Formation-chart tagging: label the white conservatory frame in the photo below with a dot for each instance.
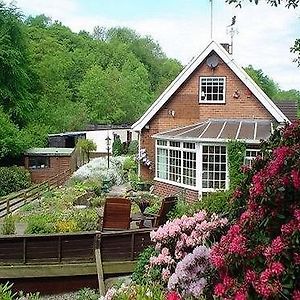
(199, 164)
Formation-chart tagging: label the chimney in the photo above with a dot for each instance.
(226, 46)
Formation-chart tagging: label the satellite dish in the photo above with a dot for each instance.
(212, 61)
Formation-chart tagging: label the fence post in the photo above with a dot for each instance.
(99, 266)
(7, 206)
(25, 198)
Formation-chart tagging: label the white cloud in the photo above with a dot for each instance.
(264, 39)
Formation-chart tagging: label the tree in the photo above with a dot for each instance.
(11, 143)
(287, 3)
(86, 146)
(267, 84)
(15, 97)
(117, 147)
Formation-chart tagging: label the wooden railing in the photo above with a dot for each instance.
(73, 247)
(75, 254)
(14, 201)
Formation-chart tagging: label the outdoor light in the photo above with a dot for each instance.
(108, 139)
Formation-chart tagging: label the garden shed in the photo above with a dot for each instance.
(65, 140)
(44, 163)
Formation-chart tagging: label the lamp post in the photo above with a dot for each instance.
(108, 139)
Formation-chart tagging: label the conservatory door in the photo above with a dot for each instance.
(213, 168)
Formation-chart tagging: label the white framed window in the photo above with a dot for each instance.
(214, 167)
(212, 89)
(250, 155)
(176, 162)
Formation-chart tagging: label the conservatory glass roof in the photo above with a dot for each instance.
(221, 130)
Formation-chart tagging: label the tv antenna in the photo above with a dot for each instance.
(232, 31)
(211, 18)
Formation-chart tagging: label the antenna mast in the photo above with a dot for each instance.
(211, 19)
(232, 31)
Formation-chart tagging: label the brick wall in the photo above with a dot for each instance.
(165, 189)
(185, 103)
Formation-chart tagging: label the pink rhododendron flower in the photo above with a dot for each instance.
(241, 295)
(219, 290)
(295, 174)
(173, 296)
(250, 276)
(296, 295)
(296, 258)
(276, 247)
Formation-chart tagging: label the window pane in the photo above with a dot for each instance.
(214, 170)
(39, 162)
(189, 168)
(161, 143)
(250, 156)
(162, 163)
(212, 89)
(174, 144)
(175, 166)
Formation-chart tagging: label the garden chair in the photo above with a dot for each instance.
(161, 218)
(116, 215)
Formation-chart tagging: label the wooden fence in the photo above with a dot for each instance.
(14, 201)
(54, 254)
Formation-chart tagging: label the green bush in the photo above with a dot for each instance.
(8, 226)
(13, 179)
(93, 185)
(97, 202)
(117, 147)
(140, 276)
(130, 164)
(86, 219)
(133, 147)
(40, 224)
(5, 292)
(216, 202)
(86, 294)
(236, 154)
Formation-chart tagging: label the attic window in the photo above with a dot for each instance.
(212, 90)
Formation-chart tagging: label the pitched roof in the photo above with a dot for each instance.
(49, 151)
(289, 108)
(221, 130)
(190, 68)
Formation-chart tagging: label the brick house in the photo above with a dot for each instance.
(186, 129)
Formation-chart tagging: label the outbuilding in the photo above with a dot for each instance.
(44, 163)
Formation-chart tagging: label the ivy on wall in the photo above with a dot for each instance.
(236, 153)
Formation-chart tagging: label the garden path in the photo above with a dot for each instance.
(118, 190)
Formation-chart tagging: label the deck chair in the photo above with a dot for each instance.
(161, 218)
(116, 215)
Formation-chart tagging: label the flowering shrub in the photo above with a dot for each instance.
(259, 257)
(142, 158)
(190, 273)
(181, 256)
(132, 291)
(97, 169)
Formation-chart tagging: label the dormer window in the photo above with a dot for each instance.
(212, 90)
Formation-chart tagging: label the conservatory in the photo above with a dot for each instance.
(195, 157)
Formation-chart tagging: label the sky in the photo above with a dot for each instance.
(182, 28)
